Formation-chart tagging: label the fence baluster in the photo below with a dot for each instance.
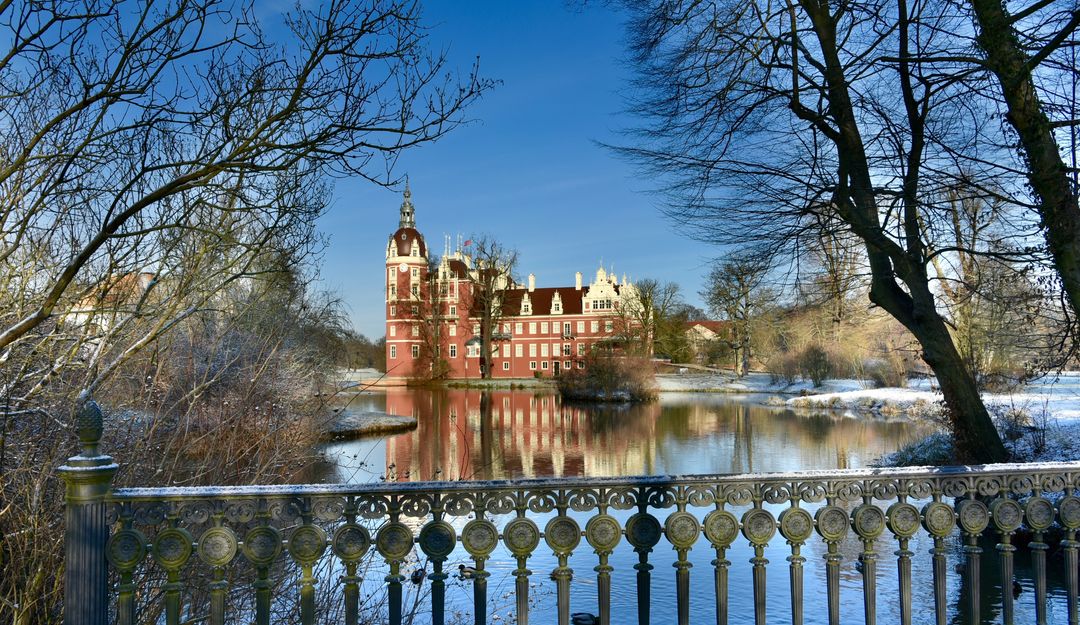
(562, 534)
(868, 521)
(603, 533)
(125, 550)
(394, 542)
(480, 537)
(306, 545)
(522, 537)
(759, 526)
(721, 528)
(437, 541)
(1040, 517)
(1069, 515)
(217, 548)
(1007, 516)
(796, 525)
(262, 546)
(903, 521)
(974, 518)
(682, 529)
(643, 533)
(351, 541)
(832, 526)
(939, 520)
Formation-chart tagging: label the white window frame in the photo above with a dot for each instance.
(415, 351)
(532, 350)
(453, 350)
(580, 327)
(532, 365)
(544, 365)
(518, 350)
(506, 365)
(393, 351)
(393, 330)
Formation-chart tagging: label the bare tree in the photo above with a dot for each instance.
(646, 310)
(767, 121)
(492, 273)
(141, 139)
(735, 291)
(1040, 38)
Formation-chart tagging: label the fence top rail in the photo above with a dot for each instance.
(646, 481)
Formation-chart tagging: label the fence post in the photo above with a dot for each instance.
(88, 477)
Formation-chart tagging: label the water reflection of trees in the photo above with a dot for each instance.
(469, 434)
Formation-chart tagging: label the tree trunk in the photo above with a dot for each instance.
(1047, 173)
(975, 437)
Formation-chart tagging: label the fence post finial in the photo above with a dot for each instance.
(88, 477)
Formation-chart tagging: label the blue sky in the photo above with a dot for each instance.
(527, 170)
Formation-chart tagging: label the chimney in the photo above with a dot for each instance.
(577, 281)
(532, 282)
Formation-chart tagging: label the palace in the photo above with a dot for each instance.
(433, 321)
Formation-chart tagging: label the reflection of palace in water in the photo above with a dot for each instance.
(467, 434)
(508, 434)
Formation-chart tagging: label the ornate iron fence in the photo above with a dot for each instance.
(170, 530)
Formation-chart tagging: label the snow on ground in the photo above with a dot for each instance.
(1049, 428)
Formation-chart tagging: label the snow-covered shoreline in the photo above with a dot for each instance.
(1045, 413)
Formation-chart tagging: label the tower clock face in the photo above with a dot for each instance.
(403, 267)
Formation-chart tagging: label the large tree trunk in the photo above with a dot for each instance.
(975, 437)
(1047, 173)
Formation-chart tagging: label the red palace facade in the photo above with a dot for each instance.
(431, 320)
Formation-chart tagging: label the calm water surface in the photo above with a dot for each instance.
(464, 435)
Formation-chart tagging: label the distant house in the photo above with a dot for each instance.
(703, 335)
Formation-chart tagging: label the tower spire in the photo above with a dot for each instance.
(408, 216)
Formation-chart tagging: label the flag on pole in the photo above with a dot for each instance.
(468, 242)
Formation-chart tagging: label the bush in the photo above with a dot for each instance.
(815, 364)
(888, 372)
(784, 368)
(936, 450)
(609, 378)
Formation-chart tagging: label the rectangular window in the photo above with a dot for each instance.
(472, 351)
(518, 350)
(581, 364)
(453, 311)
(416, 272)
(393, 330)
(566, 349)
(580, 349)
(532, 365)
(506, 365)
(415, 351)
(416, 290)
(544, 328)
(416, 330)
(453, 329)
(566, 329)
(532, 327)
(393, 290)
(476, 329)
(506, 328)
(566, 365)
(594, 326)
(608, 326)
(518, 328)
(544, 350)
(543, 365)
(554, 349)
(393, 310)
(453, 351)
(414, 309)
(393, 351)
(506, 350)
(532, 350)
(580, 327)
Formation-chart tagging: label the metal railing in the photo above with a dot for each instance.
(233, 531)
